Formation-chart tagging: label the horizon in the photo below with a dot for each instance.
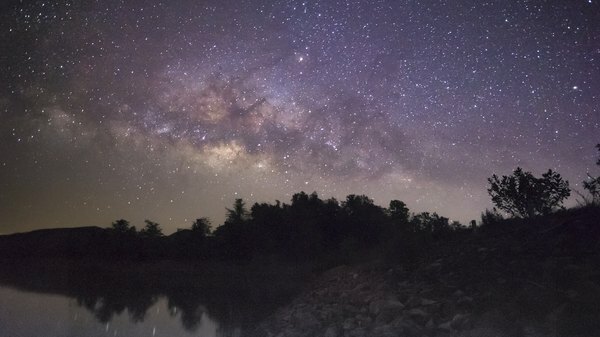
(171, 111)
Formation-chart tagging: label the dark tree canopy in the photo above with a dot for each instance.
(523, 195)
(398, 212)
(123, 226)
(306, 229)
(431, 223)
(490, 217)
(151, 230)
(201, 226)
(238, 213)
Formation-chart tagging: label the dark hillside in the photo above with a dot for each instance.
(59, 242)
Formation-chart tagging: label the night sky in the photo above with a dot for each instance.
(170, 110)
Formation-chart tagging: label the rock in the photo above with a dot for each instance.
(326, 314)
(344, 295)
(403, 284)
(426, 302)
(363, 320)
(349, 324)
(351, 309)
(393, 305)
(289, 332)
(413, 302)
(376, 306)
(387, 331)
(429, 324)
(460, 321)
(359, 332)
(332, 331)
(362, 287)
(446, 326)
(434, 265)
(572, 294)
(465, 301)
(305, 320)
(407, 325)
(458, 294)
(418, 315)
(416, 312)
(384, 317)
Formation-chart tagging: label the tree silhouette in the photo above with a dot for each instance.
(123, 226)
(201, 226)
(490, 217)
(592, 185)
(363, 218)
(398, 212)
(523, 195)
(431, 223)
(238, 213)
(151, 230)
(235, 237)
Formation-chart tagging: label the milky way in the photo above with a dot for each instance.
(169, 111)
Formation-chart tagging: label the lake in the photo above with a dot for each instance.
(58, 299)
(30, 314)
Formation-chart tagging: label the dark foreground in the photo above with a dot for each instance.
(539, 277)
(234, 296)
(530, 278)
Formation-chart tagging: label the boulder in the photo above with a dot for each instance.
(426, 302)
(391, 306)
(305, 320)
(331, 331)
(349, 324)
(460, 321)
(416, 312)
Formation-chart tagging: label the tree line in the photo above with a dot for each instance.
(305, 228)
(310, 227)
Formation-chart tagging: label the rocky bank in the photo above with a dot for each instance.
(527, 281)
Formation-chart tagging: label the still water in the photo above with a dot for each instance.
(64, 298)
(32, 314)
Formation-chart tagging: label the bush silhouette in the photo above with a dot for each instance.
(523, 195)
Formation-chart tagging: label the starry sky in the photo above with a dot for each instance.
(170, 110)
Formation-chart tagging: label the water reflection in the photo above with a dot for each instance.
(28, 314)
(132, 300)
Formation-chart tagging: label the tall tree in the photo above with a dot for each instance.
(238, 213)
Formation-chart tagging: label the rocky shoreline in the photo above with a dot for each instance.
(521, 279)
(365, 300)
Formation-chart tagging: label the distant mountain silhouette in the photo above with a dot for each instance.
(57, 242)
